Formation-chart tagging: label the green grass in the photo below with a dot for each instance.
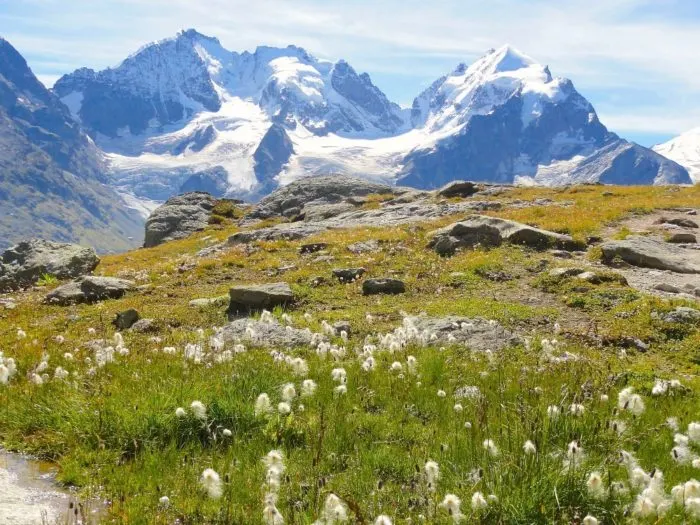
(115, 434)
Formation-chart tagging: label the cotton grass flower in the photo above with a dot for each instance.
(529, 448)
(308, 387)
(284, 408)
(451, 504)
(589, 520)
(226, 433)
(595, 485)
(60, 373)
(334, 510)
(299, 366)
(577, 409)
(458, 408)
(340, 390)
(628, 400)
(164, 501)
(432, 474)
(396, 367)
(339, 375)
(441, 393)
(263, 406)
(383, 520)
(198, 409)
(491, 448)
(479, 502)
(553, 412)
(694, 432)
(180, 412)
(211, 483)
(289, 392)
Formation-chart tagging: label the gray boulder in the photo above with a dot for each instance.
(126, 319)
(246, 298)
(270, 335)
(90, 289)
(320, 212)
(493, 231)
(682, 238)
(364, 247)
(23, 264)
(178, 218)
(652, 253)
(383, 286)
(330, 189)
(289, 232)
(477, 334)
(683, 314)
(458, 188)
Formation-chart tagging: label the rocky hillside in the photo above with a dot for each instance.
(52, 180)
(346, 351)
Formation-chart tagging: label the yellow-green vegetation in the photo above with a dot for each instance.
(544, 432)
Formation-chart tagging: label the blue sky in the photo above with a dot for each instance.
(637, 61)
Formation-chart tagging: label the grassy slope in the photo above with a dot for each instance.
(116, 433)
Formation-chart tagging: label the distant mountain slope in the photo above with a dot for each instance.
(52, 181)
(685, 150)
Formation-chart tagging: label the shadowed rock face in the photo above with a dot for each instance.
(179, 217)
(51, 174)
(271, 155)
(24, 264)
(90, 289)
(255, 297)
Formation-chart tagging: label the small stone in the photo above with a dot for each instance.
(590, 277)
(665, 287)
(565, 272)
(126, 319)
(683, 223)
(312, 247)
(383, 286)
(364, 247)
(683, 314)
(683, 237)
(207, 302)
(347, 275)
(144, 326)
(692, 212)
(562, 254)
(342, 326)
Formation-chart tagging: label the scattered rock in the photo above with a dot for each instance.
(8, 304)
(25, 263)
(246, 298)
(682, 238)
(692, 212)
(289, 232)
(651, 253)
(270, 335)
(347, 275)
(458, 188)
(477, 334)
(89, 289)
(342, 326)
(593, 239)
(209, 302)
(370, 246)
(561, 254)
(566, 272)
(320, 212)
(126, 319)
(324, 259)
(178, 218)
(590, 277)
(493, 231)
(679, 221)
(683, 314)
(144, 326)
(665, 287)
(313, 247)
(383, 286)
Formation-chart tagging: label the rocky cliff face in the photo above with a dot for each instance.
(52, 181)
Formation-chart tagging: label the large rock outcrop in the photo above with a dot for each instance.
(25, 263)
(178, 218)
(652, 253)
(90, 289)
(255, 297)
(493, 231)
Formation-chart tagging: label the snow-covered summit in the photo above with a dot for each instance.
(685, 150)
(186, 113)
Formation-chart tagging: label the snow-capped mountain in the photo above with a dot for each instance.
(685, 150)
(185, 113)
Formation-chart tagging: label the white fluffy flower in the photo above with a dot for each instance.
(382, 519)
(451, 504)
(180, 412)
(308, 387)
(595, 485)
(198, 409)
(490, 447)
(432, 474)
(529, 448)
(284, 408)
(589, 520)
(289, 392)
(694, 432)
(479, 501)
(211, 483)
(263, 406)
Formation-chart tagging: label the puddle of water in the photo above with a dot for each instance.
(29, 494)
